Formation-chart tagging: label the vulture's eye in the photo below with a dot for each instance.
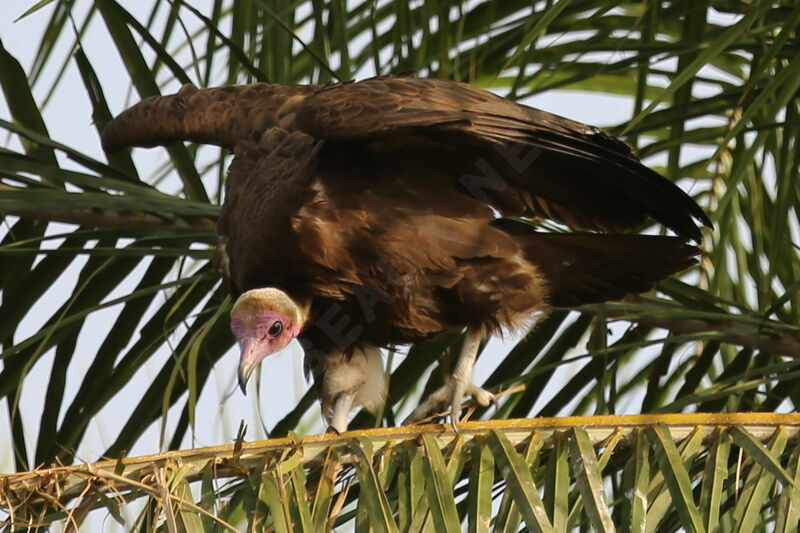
(276, 329)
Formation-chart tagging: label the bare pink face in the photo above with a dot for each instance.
(260, 334)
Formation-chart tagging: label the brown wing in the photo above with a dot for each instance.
(564, 170)
(256, 122)
(393, 200)
(221, 116)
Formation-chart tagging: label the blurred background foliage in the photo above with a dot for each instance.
(706, 91)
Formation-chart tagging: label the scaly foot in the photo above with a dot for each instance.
(459, 384)
(451, 392)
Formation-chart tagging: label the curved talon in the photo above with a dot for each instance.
(459, 388)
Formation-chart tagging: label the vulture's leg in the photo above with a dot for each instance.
(459, 384)
(341, 409)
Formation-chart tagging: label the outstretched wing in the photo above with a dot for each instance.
(222, 116)
(256, 122)
(564, 170)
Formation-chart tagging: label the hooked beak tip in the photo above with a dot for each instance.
(244, 374)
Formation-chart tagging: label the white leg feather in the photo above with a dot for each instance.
(345, 382)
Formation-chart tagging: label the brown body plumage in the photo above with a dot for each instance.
(376, 205)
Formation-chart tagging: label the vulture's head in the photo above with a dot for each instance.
(264, 322)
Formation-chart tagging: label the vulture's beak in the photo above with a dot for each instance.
(245, 369)
(253, 351)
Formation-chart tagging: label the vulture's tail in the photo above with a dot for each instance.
(583, 268)
(219, 116)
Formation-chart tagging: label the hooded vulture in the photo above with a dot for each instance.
(387, 211)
